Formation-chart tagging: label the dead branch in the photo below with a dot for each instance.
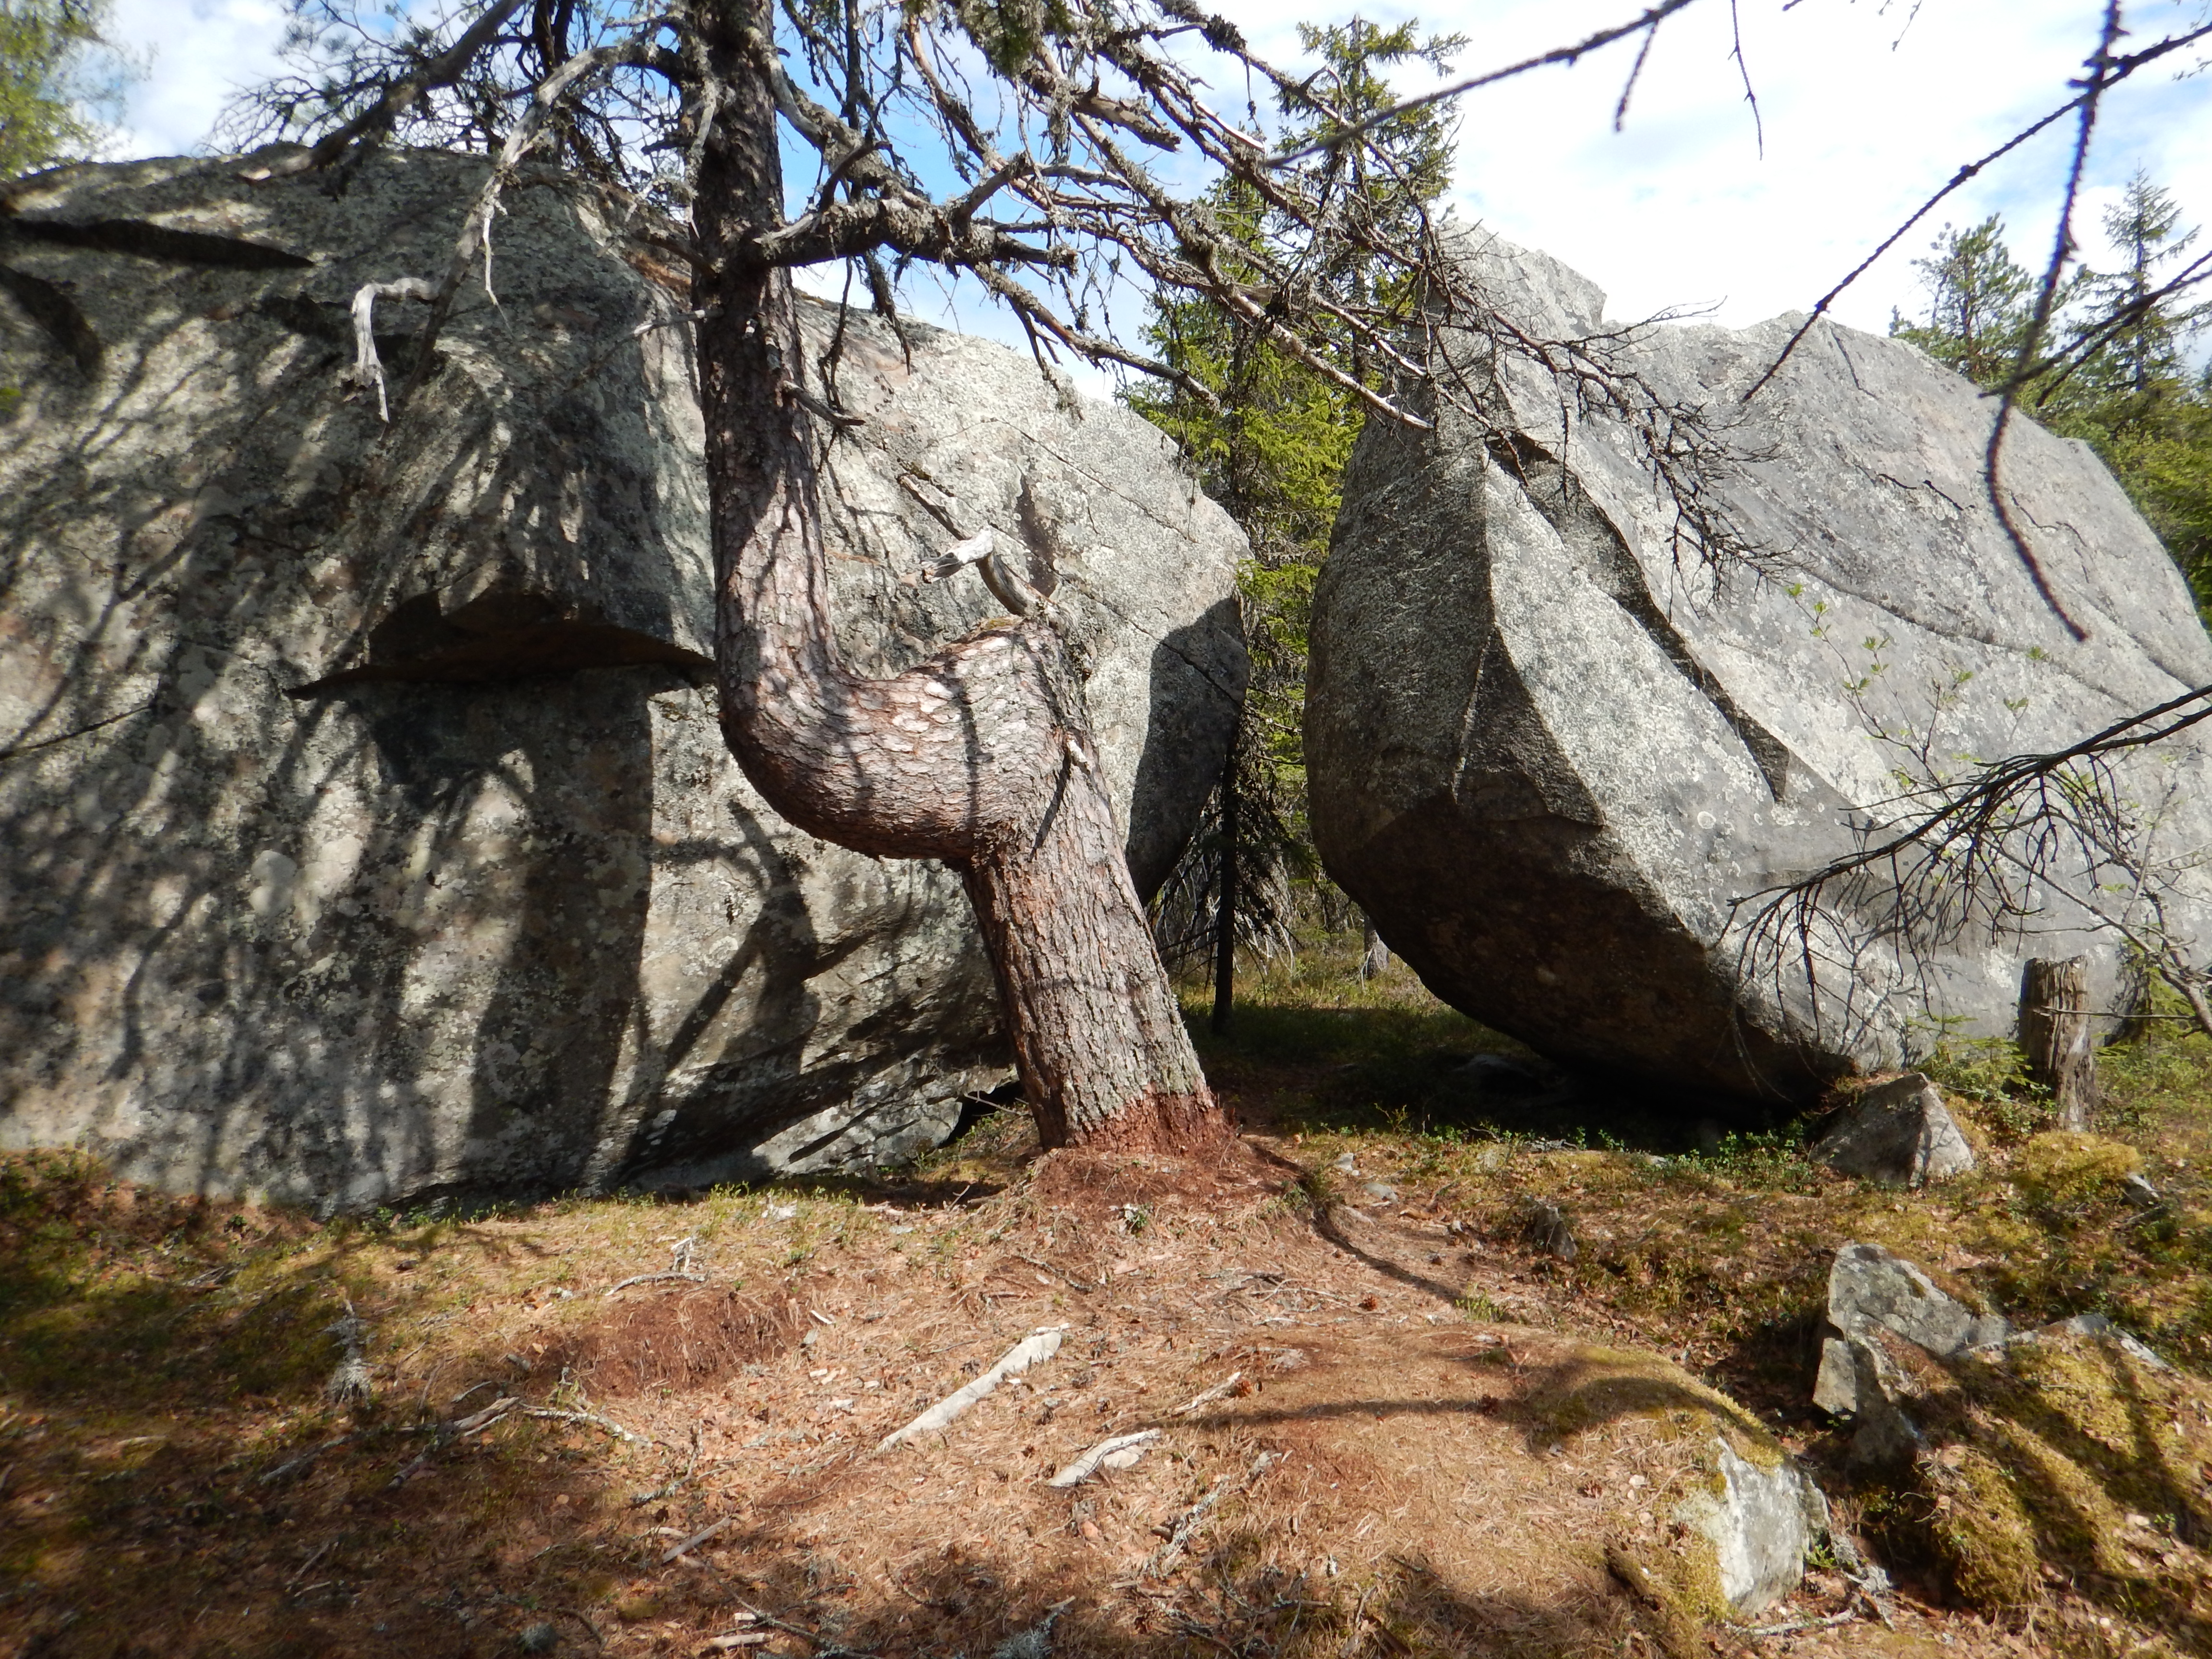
(1032, 1349)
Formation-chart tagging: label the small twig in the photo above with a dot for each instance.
(712, 1529)
(1211, 1394)
(1796, 1624)
(1188, 1523)
(654, 1278)
(308, 1566)
(446, 1433)
(641, 1499)
(305, 1458)
(592, 1418)
(590, 1629)
(1073, 1282)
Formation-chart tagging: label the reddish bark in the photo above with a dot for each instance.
(981, 755)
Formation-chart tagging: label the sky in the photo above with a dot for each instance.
(1865, 108)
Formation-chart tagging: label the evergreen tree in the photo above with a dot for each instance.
(2147, 331)
(56, 81)
(1979, 303)
(1272, 449)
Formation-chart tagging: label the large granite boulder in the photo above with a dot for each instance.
(365, 830)
(1552, 753)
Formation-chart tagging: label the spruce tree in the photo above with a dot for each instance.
(1272, 449)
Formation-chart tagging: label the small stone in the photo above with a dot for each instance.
(1761, 1525)
(538, 1638)
(1347, 1163)
(2137, 1187)
(1898, 1133)
(1381, 1191)
(1545, 1229)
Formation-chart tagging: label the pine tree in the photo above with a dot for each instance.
(2117, 375)
(1979, 303)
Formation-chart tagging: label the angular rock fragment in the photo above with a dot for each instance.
(1544, 1227)
(1761, 1522)
(1886, 1321)
(1898, 1133)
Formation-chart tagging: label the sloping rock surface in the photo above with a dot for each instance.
(366, 832)
(1551, 751)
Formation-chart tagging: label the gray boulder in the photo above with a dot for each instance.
(1762, 1522)
(366, 832)
(1551, 754)
(1899, 1132)
(1886, 1320)
(1890, 1336)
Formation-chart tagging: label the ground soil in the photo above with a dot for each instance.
(1391, 1419)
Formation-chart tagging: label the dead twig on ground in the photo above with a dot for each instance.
(1032, 1349)
(712, 1529)
(639, 1500)
(1224, 1387)
(1189, 1521)
(445, 1434)
(605, 1425)
(1121, 1452)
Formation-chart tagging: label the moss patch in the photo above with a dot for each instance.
(2070, 1458)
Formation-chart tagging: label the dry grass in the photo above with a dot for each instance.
(1435, 1435)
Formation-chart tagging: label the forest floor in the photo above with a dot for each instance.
(1388, 1422)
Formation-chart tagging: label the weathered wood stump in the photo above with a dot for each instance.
(2055, 1031)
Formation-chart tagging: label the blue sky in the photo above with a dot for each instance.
(1866, 107)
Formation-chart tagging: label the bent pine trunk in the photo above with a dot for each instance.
(981, 755)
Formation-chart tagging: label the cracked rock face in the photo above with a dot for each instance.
(1552, 761)
(366, 832)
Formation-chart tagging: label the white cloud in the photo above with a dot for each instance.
(1867, 110)
(202, 52)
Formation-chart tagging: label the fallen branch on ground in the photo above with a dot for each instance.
(1187, 1522)
(712, 1529)
(1793, 1627)
(655, 1278)
(1212, 1394)
(592, 1418)
(445, 1434)
(1121, 1452)
(1032, 1349)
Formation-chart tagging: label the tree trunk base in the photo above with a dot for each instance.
(1099, 1041)
(1185, 1125)
(2057, 1035)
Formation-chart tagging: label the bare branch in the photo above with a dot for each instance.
(379, 118)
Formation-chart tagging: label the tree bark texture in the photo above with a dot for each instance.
(980, 755)
(2057, 1036)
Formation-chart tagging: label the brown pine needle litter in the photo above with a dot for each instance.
(1384, 1426)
